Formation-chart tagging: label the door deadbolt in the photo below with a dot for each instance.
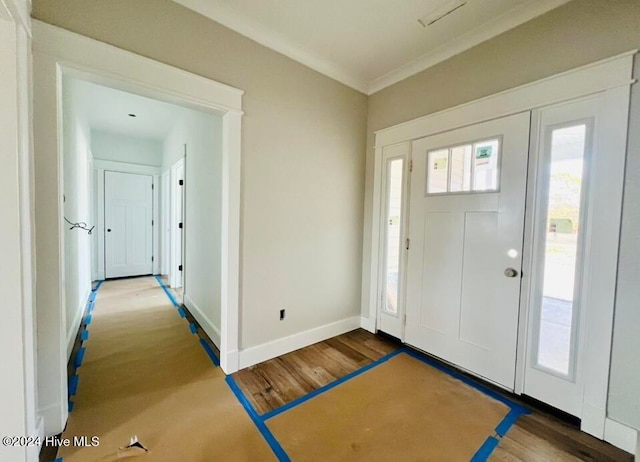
(510, 272)
(108, 230)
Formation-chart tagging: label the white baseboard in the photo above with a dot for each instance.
(34, 451)
(621, 436)
(51, 414)
(269, 350)
(207, 325)
(368, 324)
(72, 330)
(230, 362)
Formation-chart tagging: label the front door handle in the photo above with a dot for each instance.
(511, 272)
(108, 230)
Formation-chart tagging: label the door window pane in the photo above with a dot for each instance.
(472, 167)
(393, 235)
(485, 161)
(460, 168)
(438, 171)
(563, 211)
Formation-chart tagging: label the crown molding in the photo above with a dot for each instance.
(484, 32)
(227, 16)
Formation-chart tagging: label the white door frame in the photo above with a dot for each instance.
(18, 389)
(176, 246)
(612, 77)
(165, 212)
(58, 52)
(99, 167)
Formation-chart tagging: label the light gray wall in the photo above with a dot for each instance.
(77, 208)
(303, 142)
(124, 148)
(202, 133)
(578, 33)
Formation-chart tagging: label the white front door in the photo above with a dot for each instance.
(466, 236)
(128, 224)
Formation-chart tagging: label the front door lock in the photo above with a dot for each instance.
(511, 272)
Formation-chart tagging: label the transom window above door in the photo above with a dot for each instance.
(465, 168)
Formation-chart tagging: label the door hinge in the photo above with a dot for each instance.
(179, 267)
(151, 258)
(404, 319)
(410, 166)
(180, 182)
(152, 186)
(152, 222)
(180, 225)
(408, 241)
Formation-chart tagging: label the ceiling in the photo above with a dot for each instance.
(108, 110)
(369, 44)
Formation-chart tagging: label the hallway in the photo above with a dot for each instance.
(146, 374)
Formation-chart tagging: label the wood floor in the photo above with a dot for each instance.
(536, 437)
(276, 382)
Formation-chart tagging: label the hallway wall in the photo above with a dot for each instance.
(202, 133)
(77, 207)
(303, 141)
(124, 148)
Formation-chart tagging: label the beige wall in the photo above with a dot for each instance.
(303, 149)
(580, 32)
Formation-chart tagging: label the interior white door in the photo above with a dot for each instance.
(128, 224)
(466, 236)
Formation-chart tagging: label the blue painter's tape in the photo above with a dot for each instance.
(84, 335)
(80, 357)
(59, 459)
(259, 422)
(485, 450)
(88, 319)
(166, 291)
(70, 406)
(90, 307)
(92, 296)
(508, 421)
(193, 328)
(210, 352)
(73, 385)
(331, 385)
(181, 312)
(97, 286)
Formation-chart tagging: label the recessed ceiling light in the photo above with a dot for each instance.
(443, 10)
(132, 115)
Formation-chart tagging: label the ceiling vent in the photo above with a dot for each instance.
(444, 10)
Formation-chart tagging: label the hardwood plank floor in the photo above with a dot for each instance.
(534, 438)
(279, 381)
